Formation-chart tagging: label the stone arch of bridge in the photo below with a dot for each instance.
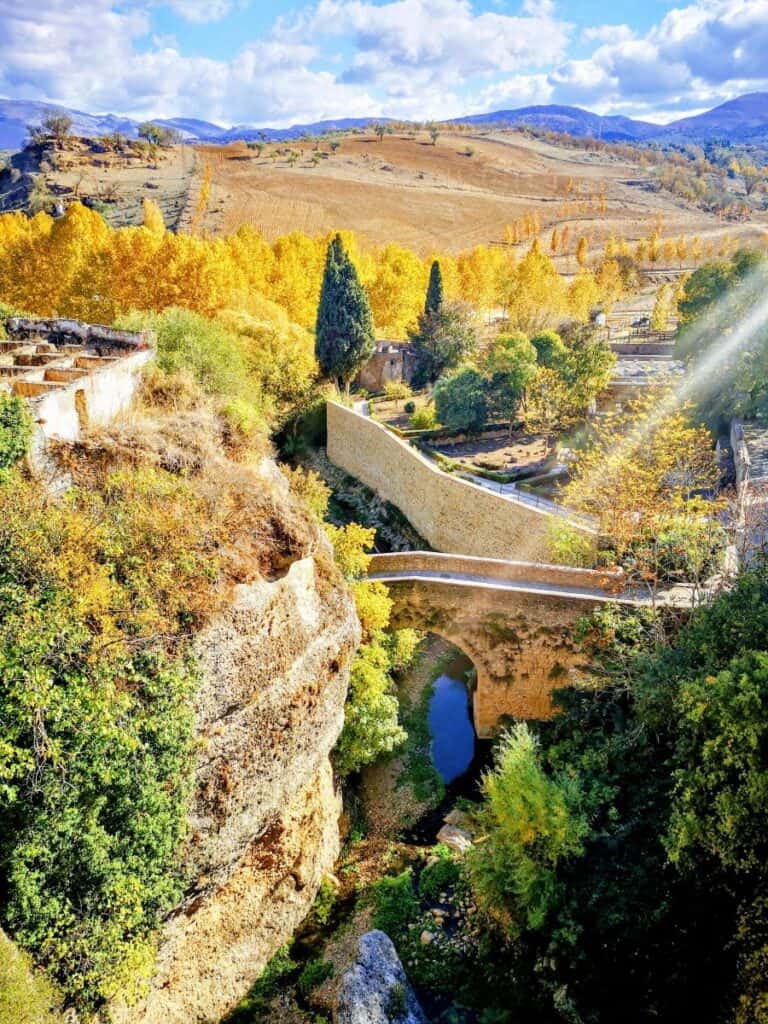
(521, 650)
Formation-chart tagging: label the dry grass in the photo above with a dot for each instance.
(434, 198)
(253, 525)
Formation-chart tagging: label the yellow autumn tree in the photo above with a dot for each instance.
(152, 217)
(478, 272)
(640, 464)
(662, 308)
(535, 294)
(396, 291)
(583, 295)
(610, 284)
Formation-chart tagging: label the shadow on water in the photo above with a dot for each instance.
(457, 754)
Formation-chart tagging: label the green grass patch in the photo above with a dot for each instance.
(440, 876)
(272, 979)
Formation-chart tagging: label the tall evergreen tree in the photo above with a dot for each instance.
(344, 338)
(434, 301)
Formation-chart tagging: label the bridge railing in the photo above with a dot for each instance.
(513, 493)
(440, 564)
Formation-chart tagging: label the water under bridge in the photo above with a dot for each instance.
(515, 620)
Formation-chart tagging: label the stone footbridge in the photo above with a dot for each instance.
(515, 620)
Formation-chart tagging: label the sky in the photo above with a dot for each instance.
(299, 61)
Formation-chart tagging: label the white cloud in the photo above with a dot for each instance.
(517, 91)
(419, 56)
(201, 11)
(407, 58)
(698, 54)
(607, 34)
(98, 59)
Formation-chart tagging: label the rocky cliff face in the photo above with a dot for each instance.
(264, 825)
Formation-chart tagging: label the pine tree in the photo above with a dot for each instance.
(344, 338)
(434, 301)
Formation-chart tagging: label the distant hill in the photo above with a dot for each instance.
(573, 120)
(741, 120)
(744, 119)
(15, 115)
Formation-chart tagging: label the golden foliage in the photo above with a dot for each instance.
(77, 266)
(642, 463)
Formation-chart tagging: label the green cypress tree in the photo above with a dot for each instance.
(434, 301)
(344, 338)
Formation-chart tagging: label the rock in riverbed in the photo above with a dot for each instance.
(375, 990)
(454, 838)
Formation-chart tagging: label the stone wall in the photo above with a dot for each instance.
(387, 363)
(450, 513)
(643, 348)
(94, 399)
(100, 339)
(71, 374)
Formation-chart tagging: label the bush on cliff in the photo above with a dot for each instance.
(15, 431)
(96, 751)
(101, 591)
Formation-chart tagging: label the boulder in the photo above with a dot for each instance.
(460, 819)
(454, 838)
(375, 990)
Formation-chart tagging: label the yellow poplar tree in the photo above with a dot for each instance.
(152, 217)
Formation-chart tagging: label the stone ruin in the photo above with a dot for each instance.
(71, 374)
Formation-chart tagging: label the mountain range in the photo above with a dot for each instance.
(744, 119)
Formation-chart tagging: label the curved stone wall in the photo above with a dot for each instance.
(450, 513)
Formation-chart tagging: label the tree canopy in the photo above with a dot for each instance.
(434, 300)
(344, 338)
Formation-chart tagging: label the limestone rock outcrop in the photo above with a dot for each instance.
(375, 990)
(264, 824)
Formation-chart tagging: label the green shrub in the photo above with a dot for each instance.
(397, 1004)
(424, 418)
(26, 996)
(15, 431)
(371, 725)
(569, 546)
(314, 974)
(188, 341)
(410, 408)
(324, 901)
(97, 723)
(440, 876)
(395, 905)
(246, 426)
(532, 822)
(264, 990)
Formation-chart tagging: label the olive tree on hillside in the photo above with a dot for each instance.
(344, 339)
(55, 127)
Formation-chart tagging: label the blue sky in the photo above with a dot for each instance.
(248, 61)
